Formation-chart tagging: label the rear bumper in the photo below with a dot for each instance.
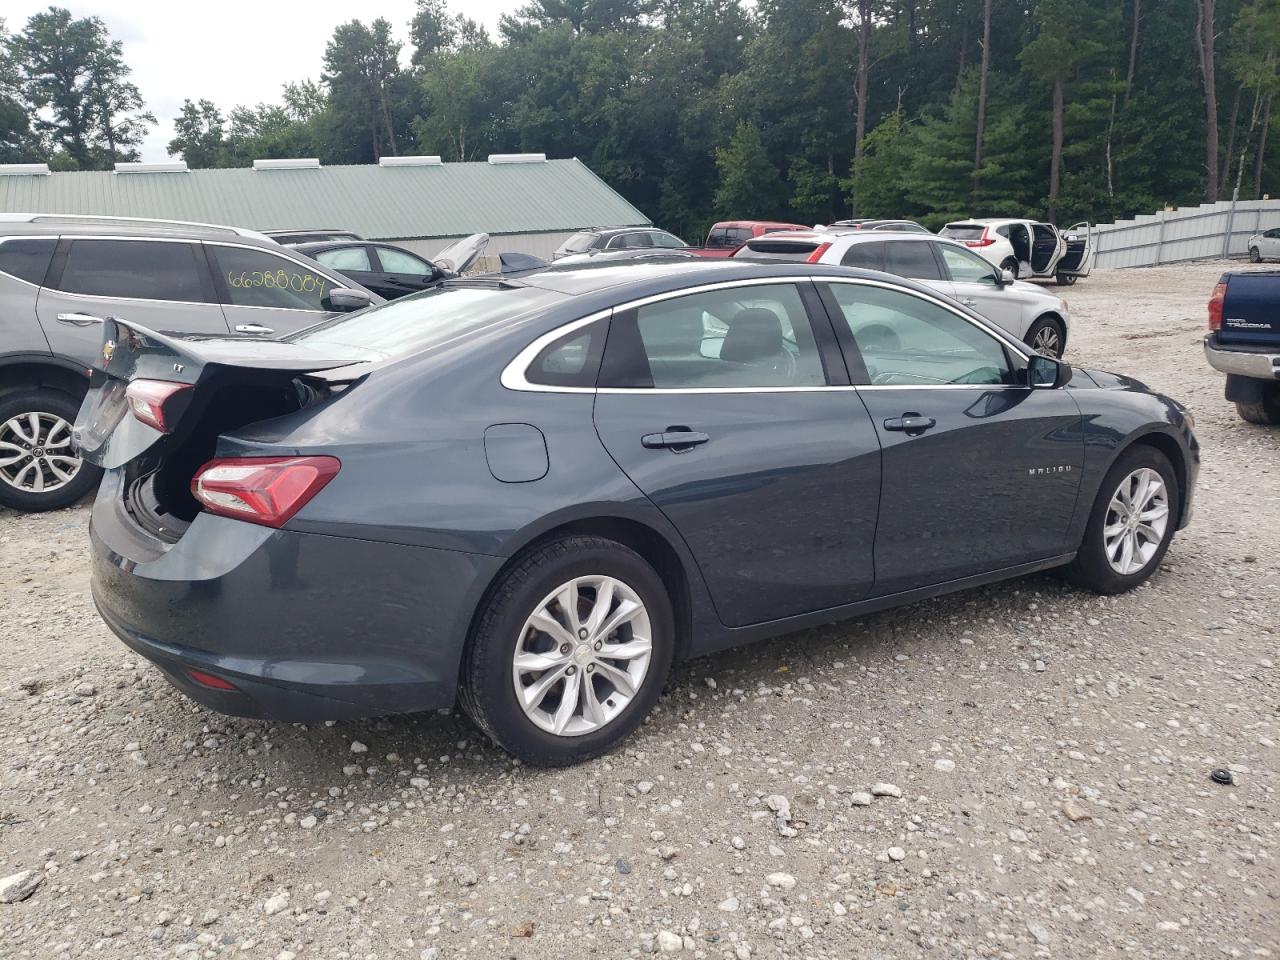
(1255, 362)
(306, 627)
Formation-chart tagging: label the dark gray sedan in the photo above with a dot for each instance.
(533, 492)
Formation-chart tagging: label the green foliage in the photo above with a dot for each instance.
(750, 187)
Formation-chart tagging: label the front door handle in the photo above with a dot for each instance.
(79, 319)
(677, 439)
(911, 423)
(255, 328)
(968, 302)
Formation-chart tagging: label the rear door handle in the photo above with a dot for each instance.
(256, 328)
(673, 439)
(79, 319)
(910, 423)
(968, 302)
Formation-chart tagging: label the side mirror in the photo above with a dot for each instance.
(345, 300)
(1045, 373)
(1006, 277)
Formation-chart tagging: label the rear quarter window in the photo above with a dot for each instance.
(134, 270)
(27, 258)
(962, 231)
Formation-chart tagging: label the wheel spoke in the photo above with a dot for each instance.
(592, 710)
(568, 702)
(622, 680)
(568, 599)
(37, 482)
(545, 622)
(1126, 552)
(1110, 531)
(57, 471)
(59, 427)
(536, 692)
(16, 426)
(627, 611)
(603, 604)
(538, 662)
(633, 650)
(1158, 512)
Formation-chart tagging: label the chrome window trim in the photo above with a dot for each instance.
(514, 374)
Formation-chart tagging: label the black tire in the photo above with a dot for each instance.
(59, 404)
(1056, 337)
(1012, 266)
(1265, 411)
(1066, 279)
(486, 688)
(1091, 568)
(1255, 256)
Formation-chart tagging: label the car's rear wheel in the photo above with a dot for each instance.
(1132, 524)
(1046, 336)
(1011, 265)
(1265, 411)
(571, 651)
(38, 468)
(1255, 255)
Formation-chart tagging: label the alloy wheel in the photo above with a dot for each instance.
(1047, 341)
(35, 452)
(1136, 521)
(582, 656)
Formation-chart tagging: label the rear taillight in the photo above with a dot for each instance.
(211, 682)
(983, 241)
(1215, 306)
(818, 251)
(154, 401)
(265, 490)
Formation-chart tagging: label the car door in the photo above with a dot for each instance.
(723, 407)
(1047, 249)
(917, 260)
(268, 294)
(160, 283)
(980, 472)
(402, 272)
(357, 262)
(976, 285)
(1271, 244)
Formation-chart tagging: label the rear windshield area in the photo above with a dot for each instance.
(422, 321)
(962, 231)
(763, 248)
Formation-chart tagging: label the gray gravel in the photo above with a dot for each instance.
(1017, 771)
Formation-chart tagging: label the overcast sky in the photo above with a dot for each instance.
(231, 51)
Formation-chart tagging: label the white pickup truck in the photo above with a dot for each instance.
(1028, 248)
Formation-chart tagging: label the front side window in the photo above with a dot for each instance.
(742, 337)
(906, 340)
(345, 258)
(398, 261)
(966, 267)
(579, 243)
(134, 270)
(912, 258)
(668, 241)
(256, 278)
(27, 258)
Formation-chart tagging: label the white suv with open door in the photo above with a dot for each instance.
(1030, 313)
(1028, 248)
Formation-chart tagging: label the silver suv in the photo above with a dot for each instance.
(60, 275)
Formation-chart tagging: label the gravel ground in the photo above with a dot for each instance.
(1016, 771)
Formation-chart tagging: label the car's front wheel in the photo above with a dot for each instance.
(1011, 265)
(571, 651)
(1046, 336)
(1132, 523)
(38, 468)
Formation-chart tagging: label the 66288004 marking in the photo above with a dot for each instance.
(297, 282)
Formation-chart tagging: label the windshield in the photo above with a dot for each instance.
(422, 321)
(578, 243)
(962, 231)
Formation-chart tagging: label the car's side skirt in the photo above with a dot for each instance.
(735, 636)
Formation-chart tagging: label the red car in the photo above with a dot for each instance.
(728, 235)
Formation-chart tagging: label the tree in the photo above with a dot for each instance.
(361, 69)
(199, 135)
(749, 182)
(984, 70)
(75, 75)
(17, 137)
(1205, 41)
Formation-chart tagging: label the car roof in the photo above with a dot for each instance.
(604, 231)
(846, 233)
(37, 224)
(288, 230)
(756, 223)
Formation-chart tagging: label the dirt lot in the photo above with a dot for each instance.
(1052, 750)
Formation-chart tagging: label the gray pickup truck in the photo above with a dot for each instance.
(1244, 341)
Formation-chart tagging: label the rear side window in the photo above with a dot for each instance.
(256, 278)
(912, 258)
(134, 270)
(579, 243)
(27, 258)
(345, 258)
(667, 240)
(869, 256)
(719, 237)
(398, 261)
(752, 336)
(571, 361)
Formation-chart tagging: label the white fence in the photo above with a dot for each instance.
(1206, 232)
